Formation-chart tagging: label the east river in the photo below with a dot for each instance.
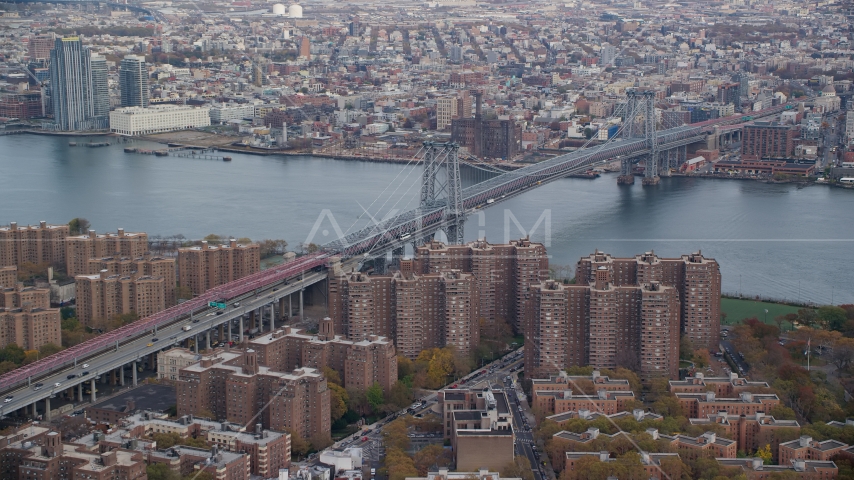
(772, 240)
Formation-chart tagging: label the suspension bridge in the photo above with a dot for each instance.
(443, 205)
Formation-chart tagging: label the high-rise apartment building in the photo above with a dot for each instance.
(360, 364)
(100, 91)
(26, 318)
(79, 249)
(305, 48)
(39, 46)
(233, 386)
(623, 312)
(446, 110)
(202, 268)
(145, 265)
(32, 244)
(33, 451)
(78, 82)
(133, 81)
(695, 277)
(608, 55)
(768, 140)
(102, 296)
(444, 296)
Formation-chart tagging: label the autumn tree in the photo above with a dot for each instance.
(432, 457)
(320, 440)
(338, 399)
(299, 446)
(520, 467)
(78, 226)
(375, 397)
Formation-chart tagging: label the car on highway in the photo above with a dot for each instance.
(84, 373)
(219, 312)
(195, 320)
(38, 386)
(8, 399)
(85, 365)
(154, 339)
(57, 384)
(149, 345)
(70, 376)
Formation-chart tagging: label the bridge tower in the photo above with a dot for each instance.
(639, 123)
(436, 186)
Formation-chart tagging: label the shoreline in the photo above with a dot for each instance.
(358, 158)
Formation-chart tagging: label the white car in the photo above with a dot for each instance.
(57, 384)
(85, 365)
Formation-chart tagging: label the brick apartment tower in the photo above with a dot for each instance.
(26, 318)
(32, 244)
(623, 312)
(146, 265)
(104, 295)
(695, 277)
(79, 249)
(205, 267)
(235, 387)
(415, 306)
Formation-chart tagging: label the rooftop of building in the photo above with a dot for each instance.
(733, 379)
(725, 418)
(600, 395)
(807, 442)
(637, 414)
(710, 397)
(563, 378)
(757, 464)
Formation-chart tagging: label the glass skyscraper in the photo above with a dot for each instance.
(78, 83)
(133, 81)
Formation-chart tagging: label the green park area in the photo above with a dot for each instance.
(736, 310)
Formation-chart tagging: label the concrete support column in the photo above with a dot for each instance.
(282, 315)
(47, 409)
(134, 372)
(252, 320)
(290, 305)
(35, 410)
(208, 339)
(230, 326)
(80, 392)
(196, 343)
(222, 331)
(272, 317)
(92, 386)
(122, 375)
(301, 317)
(240, 333)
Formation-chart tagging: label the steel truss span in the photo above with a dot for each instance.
(390, 234)
(420, 222)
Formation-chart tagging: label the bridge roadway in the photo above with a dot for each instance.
(129, 344)
(396, 232)
(391, 234)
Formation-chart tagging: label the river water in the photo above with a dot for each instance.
(771, 240)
